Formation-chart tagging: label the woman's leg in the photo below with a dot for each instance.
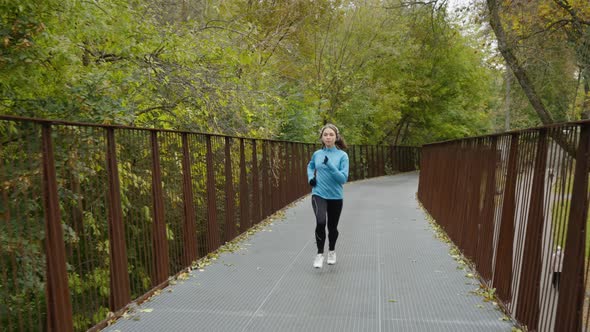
(334, 209)
(319, 208)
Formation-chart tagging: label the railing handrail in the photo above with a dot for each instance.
(116, 126)
(510, 132)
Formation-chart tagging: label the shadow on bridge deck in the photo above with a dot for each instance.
(392, 274)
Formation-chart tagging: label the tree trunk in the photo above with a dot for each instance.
(398, 129)
(523, 78)
(405, 134)
(507, 100)
(513, 63)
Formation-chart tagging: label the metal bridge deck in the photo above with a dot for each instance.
(392, 274)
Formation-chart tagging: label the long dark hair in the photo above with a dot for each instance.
(340, 143)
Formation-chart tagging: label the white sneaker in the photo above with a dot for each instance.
(318, 262)
(331, 257)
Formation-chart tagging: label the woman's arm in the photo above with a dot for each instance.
(340, 173)
(311, 168)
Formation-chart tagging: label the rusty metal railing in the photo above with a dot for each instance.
(516, 205)
(93, 217)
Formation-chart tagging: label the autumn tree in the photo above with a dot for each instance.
(545, 43)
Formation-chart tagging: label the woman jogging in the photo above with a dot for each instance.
(327, 171)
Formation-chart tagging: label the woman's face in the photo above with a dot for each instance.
(329, 137)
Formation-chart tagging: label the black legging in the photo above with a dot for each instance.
(326, 209)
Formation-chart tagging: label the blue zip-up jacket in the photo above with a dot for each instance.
(330, 176)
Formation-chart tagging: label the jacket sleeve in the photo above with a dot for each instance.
(311, 168)
(340, 173)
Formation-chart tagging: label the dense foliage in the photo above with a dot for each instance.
(385, 71)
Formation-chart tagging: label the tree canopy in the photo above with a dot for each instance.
(392, 72)
(546, 44)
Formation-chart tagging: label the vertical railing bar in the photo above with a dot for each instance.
(281, 155)
(230, 220)
(265, 200)
(286, 169)
(127, 219)
(304, 161)
(59, 306)
(149, 258)
(198, 156)
(266, 179)
(365, 159)
(520, 202)
(488, 208)
(200, 149)
(572, 289)
(480, 211)
(547, 227)
(467, 177)
(488, 212)
(293, 177)
(94, 301)
(475, 220)
(271, 174)
(4, 171)
(298, 174)
(363, 162)
(244, 213)
(503, 154)
(373, 162)
(280, 164)
(549, 305)
(393, 156)
(528, 311)
(379, 160)
(504, 255)
(284, 152)
(163, 140)
(301, 172)
(574, 137)
(369, 168)
(385, 159)
(190, 251)
(119, 281)
(276, 176)
(212, 231)
(290, 181)
(523, 201)
(353, 165)
(256, 217)
(146, 251)
(160, 241)
(459, 180)
(15, 267)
